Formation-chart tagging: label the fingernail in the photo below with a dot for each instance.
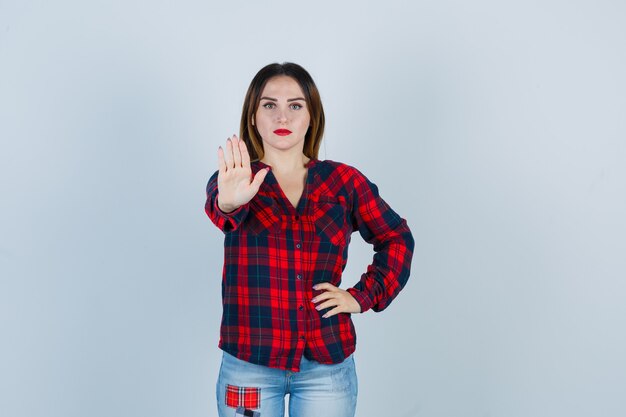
(314, 300)
(315, 287)
(325, 316)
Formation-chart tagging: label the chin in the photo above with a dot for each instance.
(282, 145)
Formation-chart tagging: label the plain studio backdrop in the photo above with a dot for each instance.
(497, 129)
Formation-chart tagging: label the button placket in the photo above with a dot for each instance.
(301, 313)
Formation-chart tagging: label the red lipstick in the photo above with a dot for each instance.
(282, 132)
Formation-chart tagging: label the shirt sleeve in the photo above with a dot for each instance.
(226, 222)
(393, 245)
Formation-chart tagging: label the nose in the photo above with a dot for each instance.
(281, 116)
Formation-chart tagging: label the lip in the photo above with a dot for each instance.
(282, 132)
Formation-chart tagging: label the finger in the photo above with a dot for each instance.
(236, 151)
(326, 295)
(328, 304)
(258, 179)
(228, 156)
(220, 160)
(325, 286)
(333, 312)
(245, 156)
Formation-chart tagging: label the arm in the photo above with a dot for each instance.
(393, 244)
(234, 183)
(226, 222)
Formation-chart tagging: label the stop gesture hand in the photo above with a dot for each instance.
(235, 184)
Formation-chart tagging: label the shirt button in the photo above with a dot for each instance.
(301, 337)
(297, 218)
(299, 276)
(301, 308)
(298, 245)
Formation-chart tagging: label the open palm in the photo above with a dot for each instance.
(235, 184)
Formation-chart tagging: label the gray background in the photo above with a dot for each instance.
(495, 128)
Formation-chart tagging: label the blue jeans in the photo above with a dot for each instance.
(317, 390)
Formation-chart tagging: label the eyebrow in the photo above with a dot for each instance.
(273, 99)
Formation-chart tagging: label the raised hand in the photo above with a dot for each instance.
(235, 185)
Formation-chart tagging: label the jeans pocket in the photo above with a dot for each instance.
(342, 378)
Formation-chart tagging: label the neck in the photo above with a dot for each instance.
(285, 163)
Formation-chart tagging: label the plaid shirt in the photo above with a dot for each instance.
(274, 254)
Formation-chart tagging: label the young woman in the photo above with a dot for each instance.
(287, 218)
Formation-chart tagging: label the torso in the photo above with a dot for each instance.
(292, 186)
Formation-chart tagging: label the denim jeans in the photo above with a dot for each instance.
(317, 390)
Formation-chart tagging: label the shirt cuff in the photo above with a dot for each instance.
(233, 218)
(362, 298)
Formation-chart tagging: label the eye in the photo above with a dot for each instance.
(269, 105)
(296, 106)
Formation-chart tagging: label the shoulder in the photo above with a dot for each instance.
(345, 173)
(338, 168)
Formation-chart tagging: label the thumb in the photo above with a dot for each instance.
(259, 177)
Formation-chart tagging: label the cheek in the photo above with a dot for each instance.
(262, 123)
(305, 122)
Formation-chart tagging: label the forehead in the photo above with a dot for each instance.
(282, 86)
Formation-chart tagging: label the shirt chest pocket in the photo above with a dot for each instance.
(329, 215)
(264, 216)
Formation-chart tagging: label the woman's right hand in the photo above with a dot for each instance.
(235, 185)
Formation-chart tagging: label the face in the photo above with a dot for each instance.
(282, 117)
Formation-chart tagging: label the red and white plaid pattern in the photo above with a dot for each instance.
(246, 397)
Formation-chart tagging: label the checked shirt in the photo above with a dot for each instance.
(275, 253)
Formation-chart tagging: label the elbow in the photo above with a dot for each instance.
(407, 238)
(410, 244)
